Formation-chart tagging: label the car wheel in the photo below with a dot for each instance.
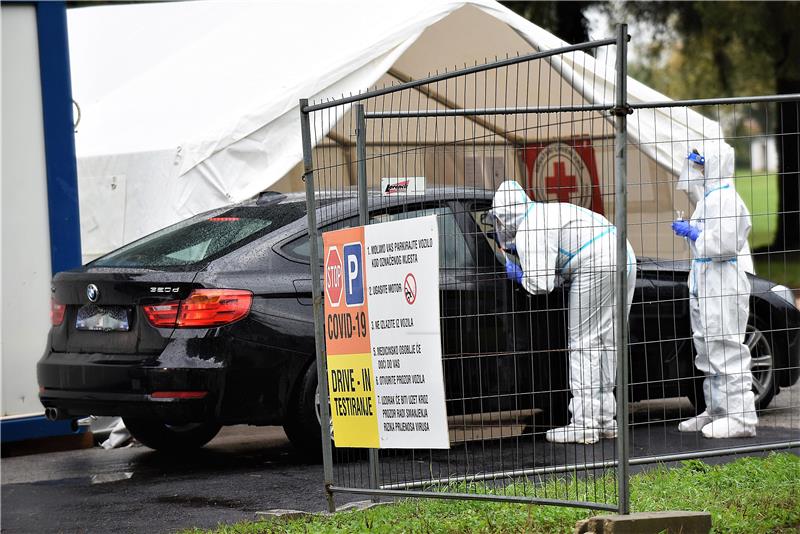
(171, 438)
(318, 412)
(555, 409)
(302, 424)
(762, 366)
(553, 394)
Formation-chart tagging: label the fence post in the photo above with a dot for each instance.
(621, 221)
(363, 220)
(316, 293)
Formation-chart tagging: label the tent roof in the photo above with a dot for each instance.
(218, 80)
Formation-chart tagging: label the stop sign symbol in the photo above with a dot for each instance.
(333, 276)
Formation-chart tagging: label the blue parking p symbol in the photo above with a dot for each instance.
(353, 275)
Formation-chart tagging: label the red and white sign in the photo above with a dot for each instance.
(564, 171)
(333, 276)
(410, 288)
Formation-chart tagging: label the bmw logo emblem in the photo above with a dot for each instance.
(92, 293)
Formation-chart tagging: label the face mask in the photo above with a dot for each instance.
(509, 206)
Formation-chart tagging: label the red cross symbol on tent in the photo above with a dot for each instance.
(560, 183)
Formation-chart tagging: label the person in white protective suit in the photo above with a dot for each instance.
(580, 245)
(719, 293)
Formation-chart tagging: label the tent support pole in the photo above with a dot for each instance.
(428, 91)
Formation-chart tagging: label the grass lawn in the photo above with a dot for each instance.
(782, 270)
(750, 495)
(760, 192)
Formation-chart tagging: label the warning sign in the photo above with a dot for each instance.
(410, 288)
(382, 335)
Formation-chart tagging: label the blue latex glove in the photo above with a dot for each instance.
(512, 248)
(680, 227)
(684, 229)
(513, 271)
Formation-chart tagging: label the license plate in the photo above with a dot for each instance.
(102, 318)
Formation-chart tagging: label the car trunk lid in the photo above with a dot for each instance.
(113, 321)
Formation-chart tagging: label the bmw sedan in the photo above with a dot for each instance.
(209, 323)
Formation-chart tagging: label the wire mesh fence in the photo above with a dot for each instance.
(530, 320)
(733, 326)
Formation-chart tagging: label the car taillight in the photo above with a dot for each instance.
(214, 307)
(179, 394)
(203, 308)
(164, 314)
(56, 312)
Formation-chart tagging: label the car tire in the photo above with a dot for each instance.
(553, 393)
(302, 421)
(762, 353)
(171, 438)
(555, 409)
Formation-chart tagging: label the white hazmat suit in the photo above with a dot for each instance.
(580, 245)
(719, 295)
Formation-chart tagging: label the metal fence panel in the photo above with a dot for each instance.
(750, 125)
(506, 351)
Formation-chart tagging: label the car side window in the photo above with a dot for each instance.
(300, 248)
(454, 253)
(486, 226)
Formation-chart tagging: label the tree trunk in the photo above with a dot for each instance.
(788, 237)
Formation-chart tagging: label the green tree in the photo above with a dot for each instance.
(715, 49)
(711, 49)
(564, 19)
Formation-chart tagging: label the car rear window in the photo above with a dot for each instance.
(203, 238)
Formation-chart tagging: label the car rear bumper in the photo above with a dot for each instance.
(81, 403)
(81, 384)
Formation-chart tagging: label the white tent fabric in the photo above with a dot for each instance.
(187, 106)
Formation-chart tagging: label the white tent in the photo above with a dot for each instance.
(187, 106)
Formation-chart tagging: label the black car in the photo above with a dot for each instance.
(209, 323)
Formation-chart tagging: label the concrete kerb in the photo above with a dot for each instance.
(677, 522)
(355, 506)
(284, 513)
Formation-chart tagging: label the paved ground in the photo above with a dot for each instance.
(246, 469)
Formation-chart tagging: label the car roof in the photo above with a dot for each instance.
(376, 199)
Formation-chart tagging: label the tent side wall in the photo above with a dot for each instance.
(652, 199)
(125, 197)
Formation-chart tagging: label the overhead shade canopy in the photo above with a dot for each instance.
(187, 106)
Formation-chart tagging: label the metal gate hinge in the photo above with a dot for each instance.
(619, 111)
